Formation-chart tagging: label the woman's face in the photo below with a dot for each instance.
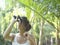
(20, 26)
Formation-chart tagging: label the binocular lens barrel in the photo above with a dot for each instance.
(18, 18)
(14, 17)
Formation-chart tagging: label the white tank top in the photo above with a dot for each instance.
(16, 43)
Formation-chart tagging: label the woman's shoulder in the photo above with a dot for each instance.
(14, 34)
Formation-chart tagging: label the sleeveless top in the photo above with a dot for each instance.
(16, 43)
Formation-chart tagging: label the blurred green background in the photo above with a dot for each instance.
(44, 16)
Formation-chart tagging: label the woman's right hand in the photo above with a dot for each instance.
(14, 19)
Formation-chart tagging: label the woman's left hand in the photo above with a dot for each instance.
(26, 35)
(30, 38)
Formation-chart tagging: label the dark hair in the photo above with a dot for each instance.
(26, 23)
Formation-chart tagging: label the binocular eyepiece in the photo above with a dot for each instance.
(18, 18)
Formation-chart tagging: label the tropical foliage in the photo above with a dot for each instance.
(44, 16)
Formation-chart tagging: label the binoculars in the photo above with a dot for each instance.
(18, 18)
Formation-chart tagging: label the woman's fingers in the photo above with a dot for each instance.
(14, 19)
(25, 34)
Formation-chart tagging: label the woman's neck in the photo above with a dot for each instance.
(21, 33)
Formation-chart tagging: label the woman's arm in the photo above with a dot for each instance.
(32, 40)
(7, 34)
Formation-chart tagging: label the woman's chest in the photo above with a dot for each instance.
(18, 40)
(21, 39)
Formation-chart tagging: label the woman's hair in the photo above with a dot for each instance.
(26, 23)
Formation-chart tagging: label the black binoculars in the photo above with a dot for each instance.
(18, 18)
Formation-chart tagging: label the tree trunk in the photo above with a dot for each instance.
(51, 41)
(41, 32)
(46, 41)
(57, 33)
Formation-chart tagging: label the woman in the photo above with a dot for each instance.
(21, 38)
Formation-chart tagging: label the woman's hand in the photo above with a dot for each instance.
(26, 35)
(14, 19)
(30, 38)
